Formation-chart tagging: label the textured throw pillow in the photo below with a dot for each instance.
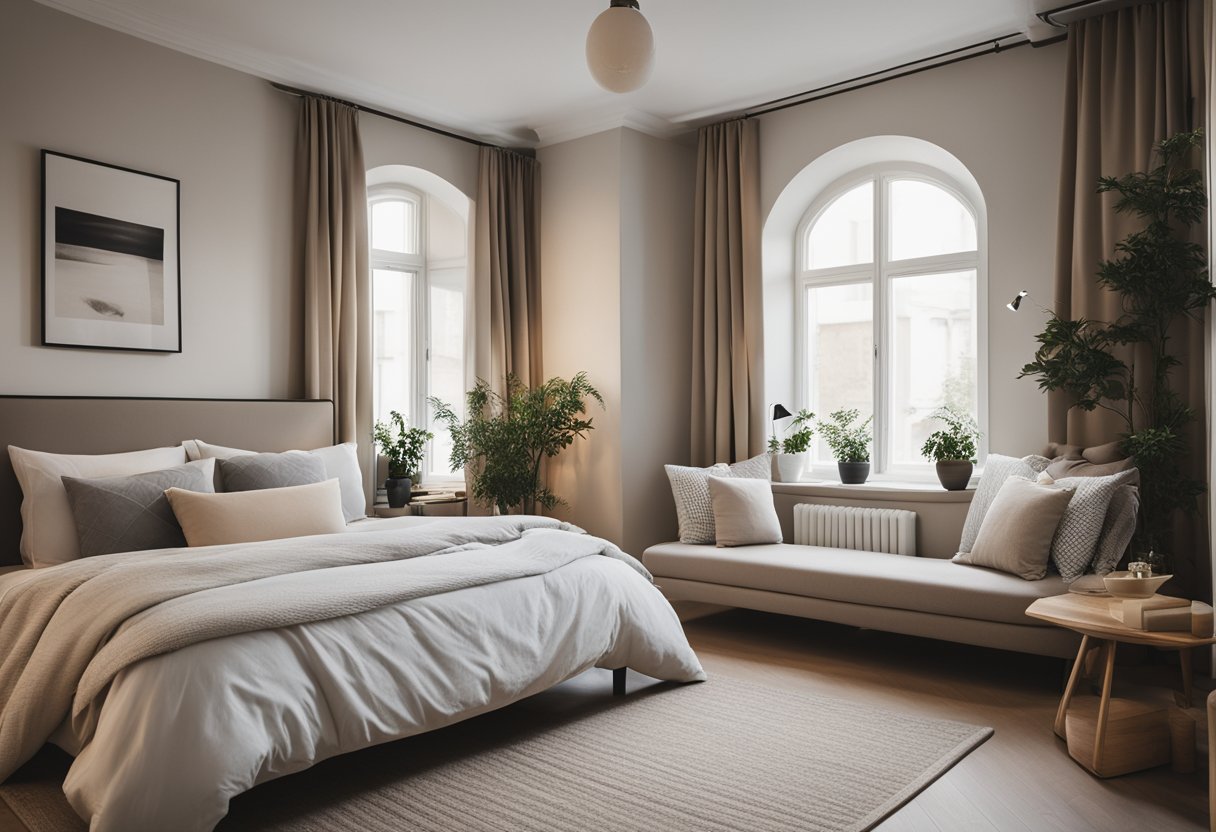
(997, 469)
(255, 472)
(1097, 461)
(744, 513)
(130, 514)
(1018, 529)
(248, 516)
(341, 463)
(757, 468)
(48, 534)
(1076, 543)
(1117, 530)
(690, 488)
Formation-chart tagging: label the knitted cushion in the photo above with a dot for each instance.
(690, 488)
(1076, 543)
(757, 468)
(1118, 529)
(997, 469)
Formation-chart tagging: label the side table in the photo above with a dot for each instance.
(1091, 616)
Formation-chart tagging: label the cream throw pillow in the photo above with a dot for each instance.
(1018, 529)
(48, 533)
(249, 516)
(744, 514)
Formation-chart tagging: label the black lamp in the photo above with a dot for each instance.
(779, 412)
(1016, 304)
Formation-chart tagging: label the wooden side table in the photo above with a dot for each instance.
(1091, 616)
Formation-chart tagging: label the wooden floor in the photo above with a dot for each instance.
(1021, 780)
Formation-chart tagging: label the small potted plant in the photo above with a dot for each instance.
(404, 449)
(850, 444)
(793, 452)
(953, 448)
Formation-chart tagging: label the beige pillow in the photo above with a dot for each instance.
(744, 513)
(48, 532)
(1018, 529)
(268, 514)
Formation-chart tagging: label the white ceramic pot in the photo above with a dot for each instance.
(791, 467)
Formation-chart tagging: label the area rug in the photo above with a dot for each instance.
(712, 757)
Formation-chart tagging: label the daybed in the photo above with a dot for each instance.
(926, 595)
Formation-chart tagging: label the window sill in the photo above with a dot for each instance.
(883, 491)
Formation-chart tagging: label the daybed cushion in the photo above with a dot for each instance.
(932, 585)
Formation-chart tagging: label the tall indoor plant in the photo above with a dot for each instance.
(404, 449)
(850, 444)
(1160, 276)
(504, 438)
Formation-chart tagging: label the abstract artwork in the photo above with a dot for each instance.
(110, 264)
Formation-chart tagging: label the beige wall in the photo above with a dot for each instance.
(1001, 116)
(616, 249)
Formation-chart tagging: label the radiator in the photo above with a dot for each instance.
(845, 527)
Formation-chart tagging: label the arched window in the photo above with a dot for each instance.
(419, 264)
(888, 275)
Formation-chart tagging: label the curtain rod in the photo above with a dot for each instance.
(382, 114)
(951, 56)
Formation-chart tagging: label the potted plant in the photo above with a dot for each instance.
(953, 448)
(850, 444)
(1160, 277)
(505, 438)
(404, 449)
(793, 452)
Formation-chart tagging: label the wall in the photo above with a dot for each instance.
(616, 258)
(1001, 115)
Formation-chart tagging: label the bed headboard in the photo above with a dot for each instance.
(94, 425)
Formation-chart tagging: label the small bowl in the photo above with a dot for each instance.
(1123, 585)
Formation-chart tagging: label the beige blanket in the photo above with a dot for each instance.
(68, 630)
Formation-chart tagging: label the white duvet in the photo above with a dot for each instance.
(177, 734)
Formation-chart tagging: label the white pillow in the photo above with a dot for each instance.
(758, 467)
(689, 487)
(48, 534)
(744, 514)
(997, 469)
(341, 463)
(250, 516)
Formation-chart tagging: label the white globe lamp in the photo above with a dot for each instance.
(620, 47)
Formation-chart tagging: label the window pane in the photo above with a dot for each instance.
(844, 233)
(447, 356)
(927, 220)
(933, 356)
(395, 226)
(839, 352)
(393, 309)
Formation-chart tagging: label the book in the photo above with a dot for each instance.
(1201, 619)
(1170, 619)
(1131, 611)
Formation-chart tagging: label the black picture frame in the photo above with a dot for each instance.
(111, 256)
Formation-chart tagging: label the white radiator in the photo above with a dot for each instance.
(845, 527)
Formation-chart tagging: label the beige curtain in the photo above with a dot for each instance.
(1134, 77)
(507, 267)
(331, 193)
(727, 348)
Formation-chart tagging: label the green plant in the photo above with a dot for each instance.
(505, 438)
(1123, 366)
(405, 451)
(849, 442)
(800, 440)
(954, 442)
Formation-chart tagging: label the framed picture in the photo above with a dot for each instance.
(111, 268)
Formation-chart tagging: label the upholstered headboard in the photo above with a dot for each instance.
(84, 425)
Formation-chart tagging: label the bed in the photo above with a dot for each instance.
(179, 678)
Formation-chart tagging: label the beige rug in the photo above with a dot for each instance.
(723, 755)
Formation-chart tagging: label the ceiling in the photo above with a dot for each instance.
(512, 71)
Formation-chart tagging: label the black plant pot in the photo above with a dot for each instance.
(853, 473)
(398, 489)
(954, 474)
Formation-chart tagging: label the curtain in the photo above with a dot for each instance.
(727, 349)
(1134, 77)
(507, 267)
(331, 194)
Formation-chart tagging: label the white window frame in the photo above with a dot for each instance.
(881, 273)
(420, 266)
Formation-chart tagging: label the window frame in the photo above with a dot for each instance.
(881, 273)
(420, 266)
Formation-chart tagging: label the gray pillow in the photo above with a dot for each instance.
(1118, 530)
(757, 468)
(690, 488)
(1076, 542)
(997, 469)
(130, 514)
(255, 472)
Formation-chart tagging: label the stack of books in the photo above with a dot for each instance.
(1163, 613)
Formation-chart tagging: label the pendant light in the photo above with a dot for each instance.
(620, 47)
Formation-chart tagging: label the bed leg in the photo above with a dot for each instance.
(618, 681)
